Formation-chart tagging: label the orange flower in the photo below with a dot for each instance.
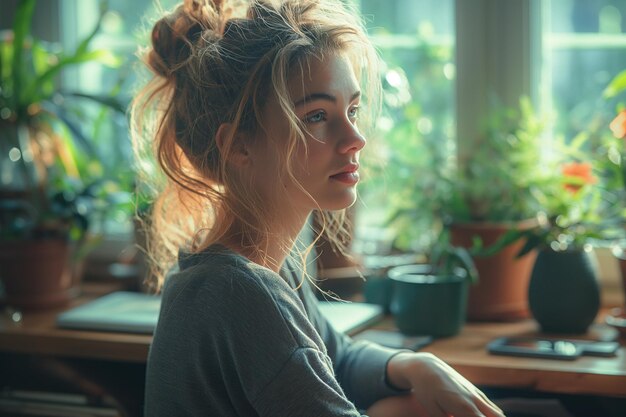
(618, 125)
(576, 175)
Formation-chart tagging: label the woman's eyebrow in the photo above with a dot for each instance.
(322, 96)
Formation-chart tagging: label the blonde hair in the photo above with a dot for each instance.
(216, 62)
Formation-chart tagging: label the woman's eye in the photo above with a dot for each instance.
(315, 117)
(354, 112)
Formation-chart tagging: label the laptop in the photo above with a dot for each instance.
(134, 312)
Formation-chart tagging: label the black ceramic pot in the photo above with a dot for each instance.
(564, 295)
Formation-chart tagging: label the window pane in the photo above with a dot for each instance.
(416, 41)
(585, 45)
(123, 29)
(404, 16)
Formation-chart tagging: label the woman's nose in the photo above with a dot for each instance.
(352, 140)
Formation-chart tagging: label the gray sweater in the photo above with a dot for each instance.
(235, 339)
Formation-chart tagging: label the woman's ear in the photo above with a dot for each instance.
(233, 145)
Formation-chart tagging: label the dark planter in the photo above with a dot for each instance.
(37, 274)
(620, 255)
(564, 295)
(378, 290)
(378, 287)
(423, 303)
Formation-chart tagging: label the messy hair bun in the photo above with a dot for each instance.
(174, 35)
(217, 62)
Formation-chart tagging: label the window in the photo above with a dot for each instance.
(451, 54)
(415, 39)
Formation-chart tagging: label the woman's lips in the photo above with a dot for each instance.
(350, 178)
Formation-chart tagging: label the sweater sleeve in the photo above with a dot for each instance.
(360, 367)
(305, 386)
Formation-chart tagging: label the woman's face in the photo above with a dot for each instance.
(326, 98)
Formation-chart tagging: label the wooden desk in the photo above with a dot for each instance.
(585, 375)
(37, 334)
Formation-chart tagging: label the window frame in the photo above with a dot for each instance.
(494, 56)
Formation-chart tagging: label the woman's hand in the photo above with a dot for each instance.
(437, 390)
(399, 406)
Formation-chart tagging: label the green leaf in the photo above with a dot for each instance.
(477, 243)
(21, 28)
(86, 246)
(505, 240)
(6, 56)
(616, 86)
(3, 63)
(41, 62)
(107, 101)
(82, 47)
(34, 88)
(62, 115)
(466, 262)
(532, 243)
(579, 140)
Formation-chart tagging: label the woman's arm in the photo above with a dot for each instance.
(360, 367)
(378, 379)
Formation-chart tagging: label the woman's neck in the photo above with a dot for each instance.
(268, 250)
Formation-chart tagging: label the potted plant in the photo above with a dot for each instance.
(616, 158)
(492, 193)
(51, 184)
(431, 298)
(615, 150)
(579, 212)
(478, 198)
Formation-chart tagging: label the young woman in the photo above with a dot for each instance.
(252, 113)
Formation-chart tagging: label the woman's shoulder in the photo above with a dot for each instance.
(224, 290)
(218, 268)
(220, 278)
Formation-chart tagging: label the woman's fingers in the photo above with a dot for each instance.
(409, 406)
(434, 410)
(400, 406)
(459, 409)
(489, 410)
(468, 402)
(488, 407)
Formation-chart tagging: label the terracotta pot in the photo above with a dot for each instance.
(37, 274)
(501, 293)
